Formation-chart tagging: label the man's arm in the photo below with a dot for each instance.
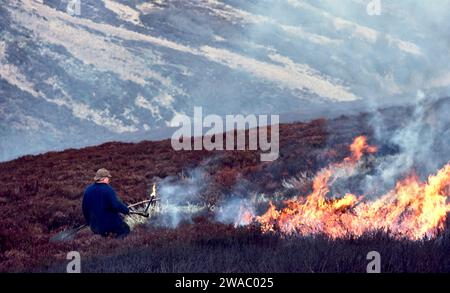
(85, 210)
(117, 204)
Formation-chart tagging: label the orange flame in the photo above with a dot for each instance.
(245, 216)
(359, 147)
(413, 209)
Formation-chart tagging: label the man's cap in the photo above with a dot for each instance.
(102, 173)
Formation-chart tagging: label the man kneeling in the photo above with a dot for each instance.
(101, 207)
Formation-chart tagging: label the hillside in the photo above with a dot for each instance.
(122, 70)
(41, 196)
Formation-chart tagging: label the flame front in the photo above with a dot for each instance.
(413, 209)
(245, 216)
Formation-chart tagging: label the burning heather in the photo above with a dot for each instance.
(412, 209)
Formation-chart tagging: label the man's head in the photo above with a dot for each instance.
(102, 176)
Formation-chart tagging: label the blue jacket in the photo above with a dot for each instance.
(101, 209)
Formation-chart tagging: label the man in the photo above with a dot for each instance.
(101, 207)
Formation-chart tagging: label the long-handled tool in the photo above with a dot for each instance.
(151, 201)
(146, 215)
(67, 234)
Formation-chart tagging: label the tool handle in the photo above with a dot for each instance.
(140, 214)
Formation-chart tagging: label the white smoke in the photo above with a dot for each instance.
(240, 209)
(421, 140)
(234, 211)
(179, 198)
